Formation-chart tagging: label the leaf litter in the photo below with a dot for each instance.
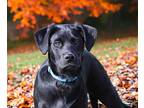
(122, 70)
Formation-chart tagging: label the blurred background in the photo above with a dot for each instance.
(110, 17)
(115, 47)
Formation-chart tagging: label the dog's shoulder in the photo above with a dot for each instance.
(90, 61)
(44, 64)
(88, 56)
(43, 69)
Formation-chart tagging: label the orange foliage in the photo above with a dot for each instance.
(26, 11)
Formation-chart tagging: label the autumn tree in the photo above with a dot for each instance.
(28, 11)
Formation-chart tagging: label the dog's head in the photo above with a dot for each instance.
(65, 45)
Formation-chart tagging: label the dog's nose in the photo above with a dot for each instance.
(69, 58)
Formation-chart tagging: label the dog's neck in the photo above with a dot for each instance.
(62, 79)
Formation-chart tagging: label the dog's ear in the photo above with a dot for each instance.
(42, 40)
(42, 37)
(89, 34)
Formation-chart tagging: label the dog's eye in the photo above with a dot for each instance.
(58, 44)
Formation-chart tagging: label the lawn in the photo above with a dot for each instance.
(110, 48)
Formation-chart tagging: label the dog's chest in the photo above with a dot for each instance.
(67, 97)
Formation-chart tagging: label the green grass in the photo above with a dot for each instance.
(112, 48)
(20, 61)
(101, 48)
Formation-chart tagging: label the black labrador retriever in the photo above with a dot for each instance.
(71, 71)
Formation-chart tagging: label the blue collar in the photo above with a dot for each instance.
(62, 79)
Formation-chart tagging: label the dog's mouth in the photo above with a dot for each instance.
(71, 69)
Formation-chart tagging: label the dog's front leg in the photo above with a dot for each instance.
(100, 87)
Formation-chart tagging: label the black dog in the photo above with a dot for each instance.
(71, 72)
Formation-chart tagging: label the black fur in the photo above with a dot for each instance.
(68, 57)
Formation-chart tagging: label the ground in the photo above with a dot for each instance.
(118, 56)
